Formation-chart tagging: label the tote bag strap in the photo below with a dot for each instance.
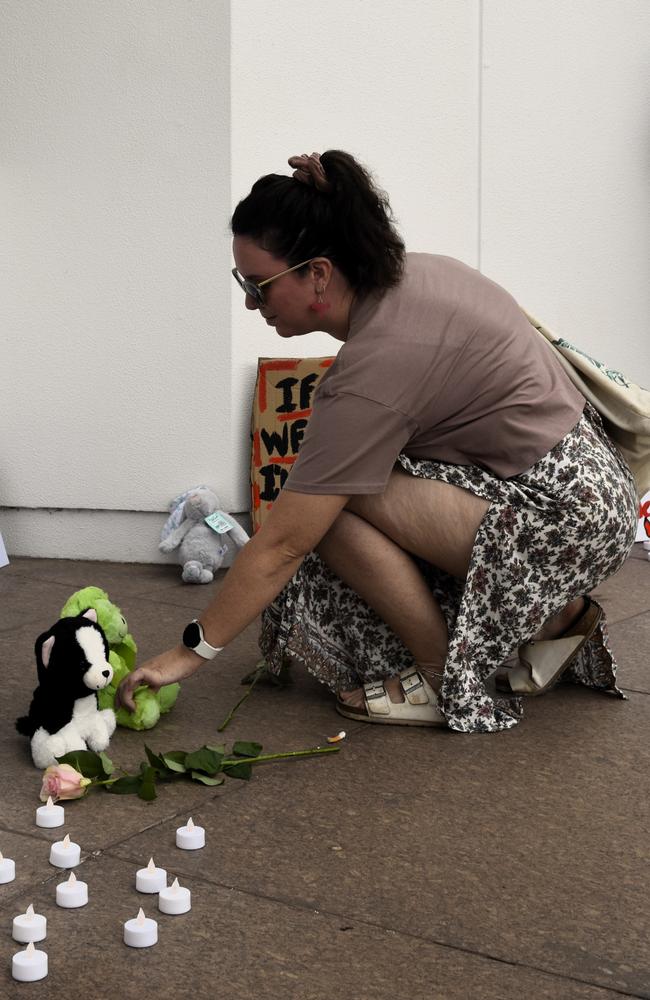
(623, 405)
(611, 392)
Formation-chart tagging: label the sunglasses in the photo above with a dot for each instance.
(254, 289)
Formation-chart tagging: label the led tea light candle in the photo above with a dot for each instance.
(141, 932)
(150, 879)
(50, 815)
(29, 926)
(65, 853)
(175, 899)
(29, 965)
(7, 870)
(190, 837)
(72, 893)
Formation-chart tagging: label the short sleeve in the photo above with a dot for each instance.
(350, 446)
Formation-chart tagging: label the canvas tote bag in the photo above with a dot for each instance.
(623, 405)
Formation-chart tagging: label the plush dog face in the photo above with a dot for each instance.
(73, 655)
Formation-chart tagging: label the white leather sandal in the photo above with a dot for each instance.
(542, 663)
(421, 707)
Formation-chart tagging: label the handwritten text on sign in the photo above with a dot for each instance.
(281, 410)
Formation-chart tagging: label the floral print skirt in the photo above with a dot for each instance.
(550, 534)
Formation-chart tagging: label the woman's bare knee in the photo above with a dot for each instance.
(428, 518)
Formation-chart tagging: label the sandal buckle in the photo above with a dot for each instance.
(375, 692)
(409, 684)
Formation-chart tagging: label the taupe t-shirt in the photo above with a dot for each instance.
(443, 366)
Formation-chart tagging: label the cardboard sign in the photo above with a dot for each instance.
(281, 410)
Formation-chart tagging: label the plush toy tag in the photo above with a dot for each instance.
(219, 522)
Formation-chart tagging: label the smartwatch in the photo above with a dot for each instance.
(193, 639)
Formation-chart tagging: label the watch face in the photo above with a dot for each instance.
(192, 635)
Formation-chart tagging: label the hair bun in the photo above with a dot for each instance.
(309, 170)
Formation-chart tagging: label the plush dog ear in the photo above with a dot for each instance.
(90, 613)
(46, 651)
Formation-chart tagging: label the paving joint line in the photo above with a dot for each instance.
(159, 823)
(621, 621)
(303, 907)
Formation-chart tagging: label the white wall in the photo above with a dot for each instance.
(115, 391)
(565, 203)
(510, 134)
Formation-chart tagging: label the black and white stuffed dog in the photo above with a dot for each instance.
(72, 665)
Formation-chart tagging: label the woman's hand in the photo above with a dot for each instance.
(173, 665)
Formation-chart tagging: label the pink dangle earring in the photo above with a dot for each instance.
(319, 306)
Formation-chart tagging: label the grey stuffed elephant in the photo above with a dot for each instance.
(202, 549)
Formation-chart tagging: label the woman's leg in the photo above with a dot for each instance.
(563, 620)
(427, 517)
(389, 581)
(368, 548)
(438, 522)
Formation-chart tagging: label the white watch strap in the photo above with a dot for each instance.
(204, 648)
(207, 651)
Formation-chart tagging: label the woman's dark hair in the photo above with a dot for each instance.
(352, 224)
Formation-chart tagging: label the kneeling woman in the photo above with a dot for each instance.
(454, 499)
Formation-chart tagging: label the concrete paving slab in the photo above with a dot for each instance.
(193, 596)
(529, 846)
(239, 946)
(31, 854)
(631, 644)
(24, 600)
(126, 579)
(498, 865)
(626, 593)
(35, 590)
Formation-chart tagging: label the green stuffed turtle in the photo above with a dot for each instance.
(149, 705)
(109, 618)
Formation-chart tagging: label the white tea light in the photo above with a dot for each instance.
(141, 932)
(29, 926)
(29, 965)
(175, 899)
(150, 879)
(190, 837)
(7, 870)
(65, 853)
(72, 893)
(50, 815)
